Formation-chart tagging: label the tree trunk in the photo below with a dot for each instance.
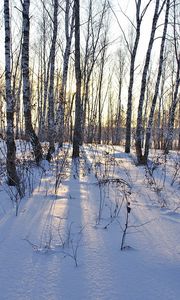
(169, 139)
(26, 84)
(43, 125)
(13, 178)
(102, 63)
(51, 124)
(131, 79)
(139, 18)
(160, 107)
(175, 98)
(62, 94)
(118, 124)
(179, 128)
(139, 127)
(161, 58)
(92, 52)
(78, 110)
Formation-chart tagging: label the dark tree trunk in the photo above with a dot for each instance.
(51, 124)
(78, 110)
(62, 94)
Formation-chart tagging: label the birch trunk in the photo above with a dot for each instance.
(139, 127)
(43, 125)
(161, 58)
(92, 52)
(99, 98)
(78, 110)
(86, 73)
(102, 64)
(51, 123)
(13, 178)
(179, 128)
(26, 84)
(175, 100)
(62, 96)
(18, 107)
(118, 124)
(131, 78)
(176, 97)
(139, 18)
(160, 110)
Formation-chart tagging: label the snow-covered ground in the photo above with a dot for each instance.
(66, 241)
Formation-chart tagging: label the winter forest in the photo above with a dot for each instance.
(89, 149)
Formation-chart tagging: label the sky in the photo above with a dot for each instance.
(126, 6)
(115, 33)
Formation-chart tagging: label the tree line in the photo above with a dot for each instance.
(65, 86)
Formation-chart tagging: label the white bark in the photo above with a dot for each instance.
(26, 83)
(11, 148)
(139, 128)
(161, 58)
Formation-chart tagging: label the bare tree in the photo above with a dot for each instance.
(78, 108)
(26, 83)
(100, 84)
(175, 97)
(138, 143)
(160, 68)
(121, 74)
(69, 27)
(51, 124)
(46, 73)
(13, 178)
(159, 135)
(94, 47)
(137, 27)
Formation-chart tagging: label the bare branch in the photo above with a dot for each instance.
(162, 6)
(18, 9)
(127, 17)
(42, 1)
(124, 35)
(145, 9)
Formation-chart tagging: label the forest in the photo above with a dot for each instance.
(89, 149)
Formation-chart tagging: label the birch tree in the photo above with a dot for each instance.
(160, 68)
(100, 84)
(175, 97)
(118, 114)
(94, 47)
(13, 178)
(16, 89)
(160, 118)
(78, 110)
(26, 84)
(139, 128)
(69, 28)
(46, 71)
(133, 52)
(51, 123)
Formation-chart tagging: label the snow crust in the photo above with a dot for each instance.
(39, 249)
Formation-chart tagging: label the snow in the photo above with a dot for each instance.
(40, 248)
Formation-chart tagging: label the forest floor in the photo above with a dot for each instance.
(67, 240)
